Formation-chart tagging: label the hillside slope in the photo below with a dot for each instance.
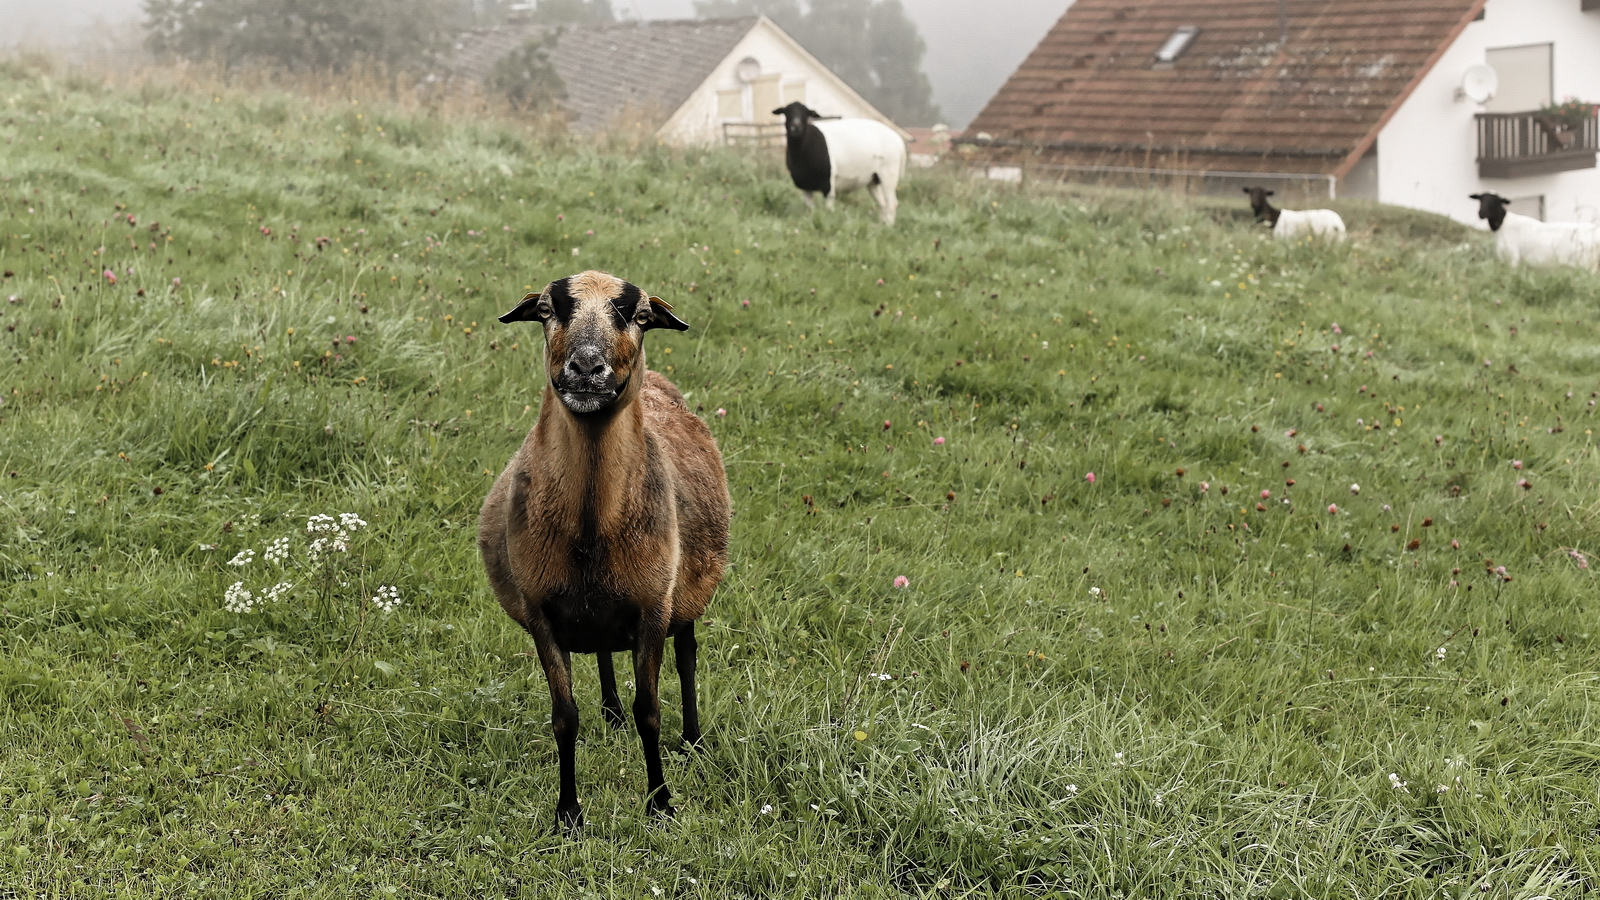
(1269, 647)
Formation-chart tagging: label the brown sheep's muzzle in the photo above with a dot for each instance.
(587, 383)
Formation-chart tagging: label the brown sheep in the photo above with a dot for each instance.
(608, 530)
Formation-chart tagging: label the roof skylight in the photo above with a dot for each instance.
(1176, 44)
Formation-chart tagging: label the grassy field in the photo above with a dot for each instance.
(1216, 668)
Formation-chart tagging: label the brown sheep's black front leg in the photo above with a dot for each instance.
(647, 717)
(563, 722)
(684, 649)
(610, 703)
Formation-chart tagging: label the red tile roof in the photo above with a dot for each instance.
(1238, 97)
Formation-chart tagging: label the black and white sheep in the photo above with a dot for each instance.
(1289, 224)
(833, 155)
(1522, 239)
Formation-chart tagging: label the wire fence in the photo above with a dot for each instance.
(1289, 186)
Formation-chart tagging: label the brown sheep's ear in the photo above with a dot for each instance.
(657, 313)
(531, 309)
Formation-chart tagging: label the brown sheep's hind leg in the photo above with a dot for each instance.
(684, 649)
(647, 717)
(610, 703)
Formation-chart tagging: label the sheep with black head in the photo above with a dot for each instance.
(829, 155)
(1292, 224)
(608, 530)
(1523, 239)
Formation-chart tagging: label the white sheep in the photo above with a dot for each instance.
(833, 155)
(1523, 239)
(1289, 224)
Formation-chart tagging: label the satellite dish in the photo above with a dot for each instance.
(1479, 83)
(749, 69)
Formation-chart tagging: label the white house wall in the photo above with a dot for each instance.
(696, 121)
(1427, 153)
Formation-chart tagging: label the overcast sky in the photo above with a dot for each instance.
(973, 45)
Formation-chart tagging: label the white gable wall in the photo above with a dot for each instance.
(698, 121)
(1427, 153)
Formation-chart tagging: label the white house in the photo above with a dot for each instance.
(1372, 100)
(1429, 154)
(692, 81)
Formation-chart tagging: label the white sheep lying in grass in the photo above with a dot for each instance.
(1522, 239)
(1289, 224)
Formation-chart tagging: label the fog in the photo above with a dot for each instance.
(972, 46)
(67, 23)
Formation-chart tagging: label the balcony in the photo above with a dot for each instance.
(1518, 145)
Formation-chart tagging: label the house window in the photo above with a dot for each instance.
(1532, 207)
(757, 95)
(730, 104)
(1525, 78)
(764, 95)
(1176, 44)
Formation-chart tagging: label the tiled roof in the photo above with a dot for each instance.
(650, 67)
(1238, 96)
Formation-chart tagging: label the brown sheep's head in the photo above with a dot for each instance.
(594, 327)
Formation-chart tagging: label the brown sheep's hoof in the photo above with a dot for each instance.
(613, 717)
(570, 821)
(660, 808)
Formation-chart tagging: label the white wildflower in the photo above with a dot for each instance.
(351, 521)
(1438, 655)
(339, 543)
(317, 548)
(238, 599)
(387, 599)
(766, 809)
(1094, 591)
(277, 591)
(1441, 789)
(1396, 783)
(278, 551)
(881, 676)
(243, 557)
(319, 523)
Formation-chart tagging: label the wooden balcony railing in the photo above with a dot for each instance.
(1517, 145)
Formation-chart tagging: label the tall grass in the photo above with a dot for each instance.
(1217, 669)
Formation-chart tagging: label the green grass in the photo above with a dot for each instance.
(1144, 686)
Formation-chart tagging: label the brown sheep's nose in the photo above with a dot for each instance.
(588, 362)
